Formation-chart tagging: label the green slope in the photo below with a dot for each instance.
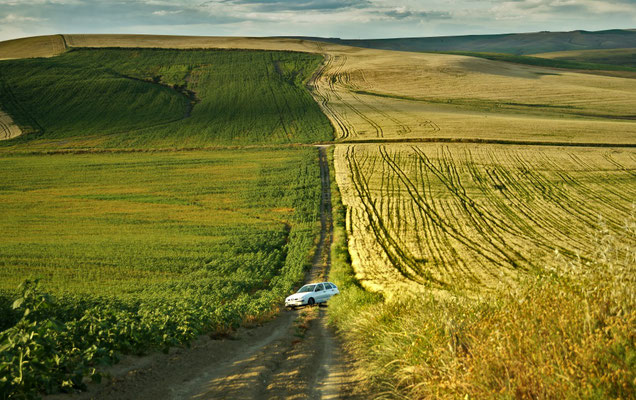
(144, 250)
(164, 98)
(620, 57)
(548, 62)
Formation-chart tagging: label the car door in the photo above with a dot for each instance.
(334, 289)
(320, 293)
(330, 290)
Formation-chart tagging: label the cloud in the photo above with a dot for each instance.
(551, 9)
(314, 11)
(162, 13)
(296, 5)
(24, 3)
(13, 19)
(405, 14)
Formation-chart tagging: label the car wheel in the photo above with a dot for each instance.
(311, 301)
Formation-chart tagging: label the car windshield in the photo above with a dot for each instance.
(307, 288)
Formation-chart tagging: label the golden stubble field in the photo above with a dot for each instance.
(375, 94)
(434, 216)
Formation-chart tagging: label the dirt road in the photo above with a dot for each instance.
(295, 356)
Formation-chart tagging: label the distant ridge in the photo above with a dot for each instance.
(513, 43)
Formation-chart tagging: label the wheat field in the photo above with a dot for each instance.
(434, 216)
(372, 94)
(36, 46)
(448, 233)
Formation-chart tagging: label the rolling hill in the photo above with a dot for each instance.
(619, 57)
(514, 43)
(168, 186)
(150, 97)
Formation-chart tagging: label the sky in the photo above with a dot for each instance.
(351, 19)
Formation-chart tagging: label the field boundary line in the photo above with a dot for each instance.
(484, 141)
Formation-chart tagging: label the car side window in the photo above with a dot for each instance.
(320, 287)
(331, 285)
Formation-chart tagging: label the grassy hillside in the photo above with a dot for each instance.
(29, 47)
(145, 250)
(625, 62)
(513, 43)
(618, 57)
(163, 98)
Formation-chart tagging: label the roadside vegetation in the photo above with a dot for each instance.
(562, 330)
(162, 98)
(136, 252)
(565, 333)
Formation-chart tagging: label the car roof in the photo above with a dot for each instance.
(316, 283)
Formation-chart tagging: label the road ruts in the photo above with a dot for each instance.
(277, 360)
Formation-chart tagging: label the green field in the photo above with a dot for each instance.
(157, 195)
(163, 98)
(623, 63)
(152, 249)
(619, 57)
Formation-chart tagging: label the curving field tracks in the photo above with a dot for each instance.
(8, 129)
(461, 221)
(375, 95)
(459, 216)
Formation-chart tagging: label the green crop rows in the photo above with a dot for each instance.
(144, 250)
(163, 98)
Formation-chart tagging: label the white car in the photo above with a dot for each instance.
(314, 293)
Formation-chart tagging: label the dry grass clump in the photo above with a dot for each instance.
(566, 333)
